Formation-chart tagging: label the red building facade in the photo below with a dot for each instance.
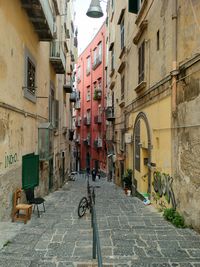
(90, 104)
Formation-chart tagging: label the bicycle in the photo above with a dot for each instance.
(87, 202)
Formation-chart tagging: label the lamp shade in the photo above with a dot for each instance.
(95, 10)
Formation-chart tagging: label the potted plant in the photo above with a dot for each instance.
(128, 181)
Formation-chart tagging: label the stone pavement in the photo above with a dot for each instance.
(131, 234)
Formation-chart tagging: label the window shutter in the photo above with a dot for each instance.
(56, 113)
(133, 6)
(137, 146)
(30, 171)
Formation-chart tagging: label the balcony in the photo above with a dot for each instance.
(41, 16)
(57, 57)
(87, 141)
(73, 96)
(110, 116)
(68, 86)
(98, 143)
(97, 94)
(78, 123)
(78, 104)
(97, 119)
(87, 121)
(77, 140)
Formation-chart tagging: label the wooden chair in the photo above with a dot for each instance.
(18, 207)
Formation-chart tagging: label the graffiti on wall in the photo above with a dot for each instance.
(162, 185)
(10, 159)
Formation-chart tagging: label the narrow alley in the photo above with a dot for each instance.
(131, 234)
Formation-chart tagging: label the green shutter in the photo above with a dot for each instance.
(133, 6)
(30, 171)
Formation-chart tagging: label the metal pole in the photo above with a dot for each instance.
(97, 242)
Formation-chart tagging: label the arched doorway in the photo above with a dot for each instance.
(142, 154)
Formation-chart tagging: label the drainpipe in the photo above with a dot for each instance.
(174, 74)
(174, 71)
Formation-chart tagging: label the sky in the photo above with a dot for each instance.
(87, 27)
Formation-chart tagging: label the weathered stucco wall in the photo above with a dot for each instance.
(187, 146)
(19, 117)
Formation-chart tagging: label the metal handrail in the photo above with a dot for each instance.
(96, 242)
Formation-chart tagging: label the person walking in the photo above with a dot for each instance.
(93, 174)
(88, 172)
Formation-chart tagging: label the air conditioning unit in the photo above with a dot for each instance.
(99, 142)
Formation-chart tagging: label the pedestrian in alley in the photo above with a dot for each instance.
(88, 171)
(94, 174)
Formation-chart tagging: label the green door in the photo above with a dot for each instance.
(50, 173)
(30, 171)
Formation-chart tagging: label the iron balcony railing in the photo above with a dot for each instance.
(78, 123)
(73, 96)
(78, 104)
(110, 114)
(87, 121)
(68, 86)
(97, 119)
(57, 57)
(48, 14)
(98, 143)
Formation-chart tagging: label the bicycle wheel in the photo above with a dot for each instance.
(82, 206)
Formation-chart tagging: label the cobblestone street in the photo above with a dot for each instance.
(131, 234)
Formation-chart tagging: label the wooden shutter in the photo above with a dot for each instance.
(137, 146)
(30, 171)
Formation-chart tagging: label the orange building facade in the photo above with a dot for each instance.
(90, 104)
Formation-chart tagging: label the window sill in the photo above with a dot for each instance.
(141, 12)
(29, 96)
(121, 67)
(142, 28)
(112, 73)
(122, 103)
(112, 85)
(123, 51)
(140, 87)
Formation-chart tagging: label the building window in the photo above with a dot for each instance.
(122, 141)
(95, 86)
(112, 59)
(112, 4)
(141, 55)
(134, 6)
(99, 84)
(30, 77)
(122, 87)
(158, 40)
(95, 56)
(88, 66)
(88, 114)
(53, 108)
(122, 33)
(88, 97)
(100, 51)
(79, 74)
